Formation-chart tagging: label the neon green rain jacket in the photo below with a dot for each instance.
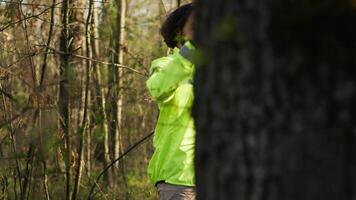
(170, 85)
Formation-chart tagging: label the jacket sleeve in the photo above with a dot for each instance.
(166, 74)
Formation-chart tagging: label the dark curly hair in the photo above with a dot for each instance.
(174, 24)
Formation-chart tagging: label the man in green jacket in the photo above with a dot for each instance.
(171, 167)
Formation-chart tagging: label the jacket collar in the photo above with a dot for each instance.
(187, 51)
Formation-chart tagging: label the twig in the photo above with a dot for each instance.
(41, 5)
(116, 160)
(44, 64)
(15, 75)
(164, 7)
(11, 133)
(32, 65)
(26, 18)
(99, 61)
(24, 111)
(97, 185)
(8, 95)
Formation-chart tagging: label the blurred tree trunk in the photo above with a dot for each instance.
(85, 119)
(121, 5)
(70, 88)
(275, 100)
(41, 115)
(99, 88)
(115, 78)
(63, 101)
(112, 116)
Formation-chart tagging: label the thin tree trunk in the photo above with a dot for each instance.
(100, 90)
(5, 190)
(63, 101)
(112, 106)
(101, 99)
(98, 96)
(45, 180)
(85, 116)
(44, 164)
(15, 186)
(28, 172)
(104, 103)
(11, 135)
(27, 177)
(115, 80)
(119, 76)
(42, 75)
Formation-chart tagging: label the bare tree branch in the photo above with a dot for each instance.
(99, 61)
(50, 33)
(116, 160)
(26, 18)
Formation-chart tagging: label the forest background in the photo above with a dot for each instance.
(73, 96)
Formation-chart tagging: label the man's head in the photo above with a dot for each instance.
(178, 26)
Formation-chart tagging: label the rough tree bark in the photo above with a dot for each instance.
(275, 100)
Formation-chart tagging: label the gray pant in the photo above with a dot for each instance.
(168, 191)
